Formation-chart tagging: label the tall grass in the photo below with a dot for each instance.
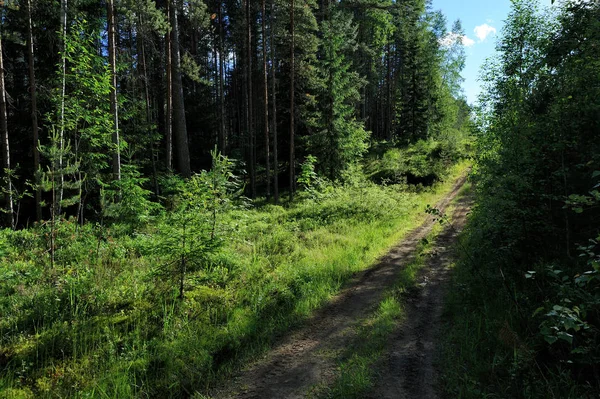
(103, 323)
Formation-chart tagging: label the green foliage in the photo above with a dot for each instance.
(80, 143)
(310, 182)
(530, 277)
(191, 231)
(62, 175)
(9, 189)
(127, 201)
(339, 139)
(87, 121)
(423, 163)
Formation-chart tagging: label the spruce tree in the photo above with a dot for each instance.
(338, 138)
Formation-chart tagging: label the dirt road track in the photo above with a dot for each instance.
(408, 370)
(303, 359)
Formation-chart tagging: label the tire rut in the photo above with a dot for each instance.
(408, 370)
(307, 356)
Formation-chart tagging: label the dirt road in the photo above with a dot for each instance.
(306, 358)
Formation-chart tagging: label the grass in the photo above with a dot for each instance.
(357, 370)
(102, 323)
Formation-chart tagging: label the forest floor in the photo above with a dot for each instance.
(398, 360)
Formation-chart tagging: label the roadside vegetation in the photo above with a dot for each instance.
(184, 181)
(165, 305)
(524, 309)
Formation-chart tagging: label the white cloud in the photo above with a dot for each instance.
(467, 41)
(452, 37)
(483, 31)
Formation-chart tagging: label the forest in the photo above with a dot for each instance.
(185, 182)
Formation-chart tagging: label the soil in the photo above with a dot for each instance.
(408, 369)
(307, 357)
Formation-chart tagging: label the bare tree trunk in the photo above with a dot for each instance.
(179, 123)
(34, 118)
(266, 100)
(114, 106)
(58, 194)
(169, 95)
(149, 116)
(222, 128)
(274, 93)
(388, 82)
(10, 214)
(292, 98)
(249, 95)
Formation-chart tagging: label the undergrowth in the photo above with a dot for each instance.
(106, 318)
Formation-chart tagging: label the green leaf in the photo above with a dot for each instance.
(550, 339)
(565, 337)
(530, 274)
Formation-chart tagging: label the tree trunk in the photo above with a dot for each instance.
(266, 100)
(179, 123)
(169, 95)
(10, 214)
(388, 108)
(58, 194)
(34, 118)
(114, 106)
(249, 97)
(149, 115)
(222, 128)
(274, 94)
(292, 98)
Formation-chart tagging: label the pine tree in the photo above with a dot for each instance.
(6, 165)
(180, 135)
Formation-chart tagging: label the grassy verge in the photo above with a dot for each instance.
(102, 323)
(356, 371)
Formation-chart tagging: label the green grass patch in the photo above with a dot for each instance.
(103, 323)
(356, 371)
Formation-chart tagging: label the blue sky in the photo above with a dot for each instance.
(482, 21)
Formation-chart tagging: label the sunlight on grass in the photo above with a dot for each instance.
(107, 325)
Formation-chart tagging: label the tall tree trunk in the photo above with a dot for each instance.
(249, 97)
(149, 116)
(388, 103)
(169, 94)
(179, 123)
(34, 118)
(292, 98)
(10, 214)
(58, 193)
(274, 94)
(266, 100)
(222, 128)
(114, 106)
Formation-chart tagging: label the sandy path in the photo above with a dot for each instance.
(408, 370)
(306, 357)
